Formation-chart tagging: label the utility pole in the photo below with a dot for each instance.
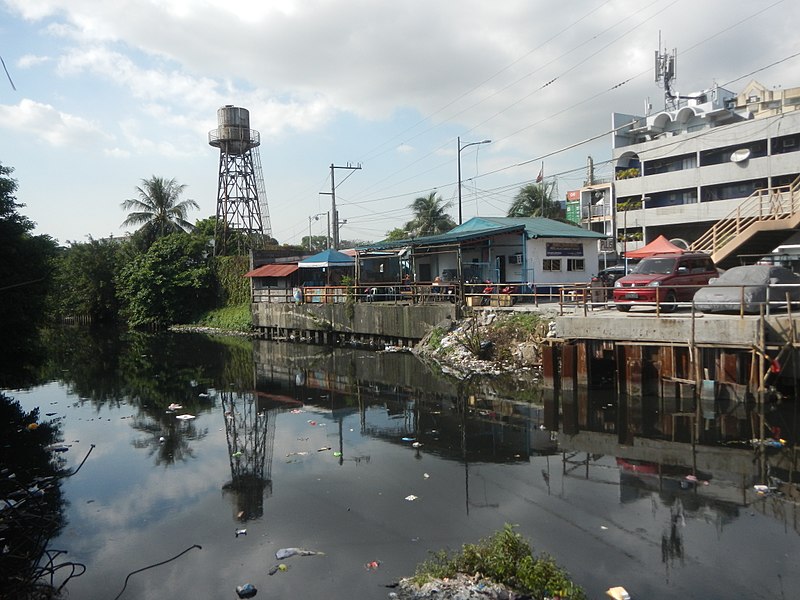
(334, 212)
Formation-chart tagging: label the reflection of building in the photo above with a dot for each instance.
(250, 431)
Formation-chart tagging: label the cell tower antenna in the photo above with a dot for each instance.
(666, 72)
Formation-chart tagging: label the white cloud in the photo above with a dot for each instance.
(29, 60)
(50, 125)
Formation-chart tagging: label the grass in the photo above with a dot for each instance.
(504, 558)
(435, 338)
(508, 332)
(230, 318)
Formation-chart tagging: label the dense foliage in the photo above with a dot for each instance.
(25, 271)
(234, 287)
(84, 284)
(504, 558)
(170, 283)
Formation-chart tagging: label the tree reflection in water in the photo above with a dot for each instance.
(31, 506)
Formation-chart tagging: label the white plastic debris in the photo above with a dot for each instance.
(185, 417)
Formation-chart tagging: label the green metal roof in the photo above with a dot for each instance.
(481, 227)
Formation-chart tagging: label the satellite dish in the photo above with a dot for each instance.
(740, 155)
(680, 243)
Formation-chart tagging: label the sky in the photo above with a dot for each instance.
(100, 95)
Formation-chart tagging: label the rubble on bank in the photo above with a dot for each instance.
(460, 587)
(473, 346)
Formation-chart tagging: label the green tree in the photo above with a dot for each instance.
(536, 200)
(170, 283)
(430, 217)
(158, 211)
(398, 233)
(84, 281)
(318, 243)
(25, 269)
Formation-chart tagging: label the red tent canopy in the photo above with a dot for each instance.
(660, 245)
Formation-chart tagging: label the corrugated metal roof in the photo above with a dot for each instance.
(273, 270)
(479, 227)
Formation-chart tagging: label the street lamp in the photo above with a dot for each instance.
(460, 148)
(316, 218)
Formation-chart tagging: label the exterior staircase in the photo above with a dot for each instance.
(761, 223)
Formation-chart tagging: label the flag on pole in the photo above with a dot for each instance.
(540, 176)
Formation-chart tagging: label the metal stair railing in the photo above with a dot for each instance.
(767, 204)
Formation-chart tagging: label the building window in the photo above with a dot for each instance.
(575, 264)
(551, 264)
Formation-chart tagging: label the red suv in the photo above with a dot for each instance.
(664, 279)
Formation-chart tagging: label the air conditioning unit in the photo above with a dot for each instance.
(515, 259)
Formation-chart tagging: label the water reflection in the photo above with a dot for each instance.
(250, 434)
(308, 445)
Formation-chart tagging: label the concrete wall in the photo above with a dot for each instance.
(409, 321)
(678, 329)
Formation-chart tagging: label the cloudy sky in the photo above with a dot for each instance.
(100, 95)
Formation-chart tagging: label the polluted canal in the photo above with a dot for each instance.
(214, 464)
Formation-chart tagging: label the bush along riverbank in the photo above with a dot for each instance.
(488, 343)
(501, 567)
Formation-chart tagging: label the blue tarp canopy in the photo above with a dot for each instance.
(327, 258)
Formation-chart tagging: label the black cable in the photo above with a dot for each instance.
(83, 461)
(163, 562)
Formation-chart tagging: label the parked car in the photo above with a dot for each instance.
(748, 288)
(664, 279)
(606, 278)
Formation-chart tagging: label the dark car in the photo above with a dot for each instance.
(664, 279)
(610, 275)
(607, 277)
(748, 289)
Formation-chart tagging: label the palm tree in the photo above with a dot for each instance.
(536, 200)
(429, 216)
(158, 209)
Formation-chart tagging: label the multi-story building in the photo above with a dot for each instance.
(683, 169)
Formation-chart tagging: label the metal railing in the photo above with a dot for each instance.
(778, 298)
(767, 204)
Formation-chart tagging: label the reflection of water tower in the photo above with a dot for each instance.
(241, 197)
(250, 431)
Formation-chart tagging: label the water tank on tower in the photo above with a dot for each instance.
(242, 211)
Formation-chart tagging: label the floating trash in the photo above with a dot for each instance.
(416, 445)
(57, 447)
(337, 453)
(288, 552)
(408, 439)
(241, 532)
(276, 568)
(324, 449)
(185, 417)
(411, 497)
(248, 590)
(174, 406)
(372, 565)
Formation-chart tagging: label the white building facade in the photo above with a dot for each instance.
(680, 170)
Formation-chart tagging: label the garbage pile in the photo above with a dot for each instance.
(461, 587)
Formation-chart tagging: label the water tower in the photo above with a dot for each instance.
(242, 211)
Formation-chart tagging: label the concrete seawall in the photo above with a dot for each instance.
(390, 322)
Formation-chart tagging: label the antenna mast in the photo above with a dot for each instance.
(666, 72)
